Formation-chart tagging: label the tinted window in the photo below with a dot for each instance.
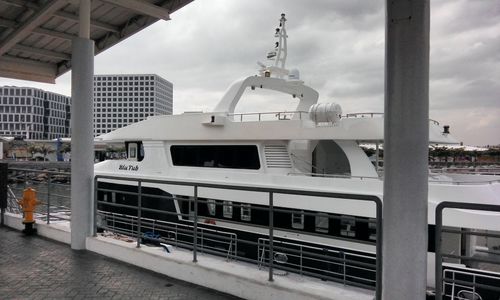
(216, 156)
(228, 209)
(298, 220)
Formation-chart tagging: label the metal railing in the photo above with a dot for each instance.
(193, 232)
(327, 175)
(53, 195)
(375, 114)
(296, 158)
(12, 205)
(364, 115)
(480, 170)
(270, 116)
(310, 260)
(445, 285)
(302, 115)
(380, 177)
(463, 182)
(461, 284)
(210, 241)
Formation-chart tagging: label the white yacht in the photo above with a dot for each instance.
(313, 147)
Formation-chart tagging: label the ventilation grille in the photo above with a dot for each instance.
(277, 156)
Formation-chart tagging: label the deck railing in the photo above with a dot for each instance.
(375, 115)
(210, 240)
(270, 116)
(199, 234)
(483, 170)
(311, 260)
(432, 178)
(469, 282)
(466, 284)
(294, 115)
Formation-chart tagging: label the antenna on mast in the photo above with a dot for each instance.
(279, 52)
(281, 43)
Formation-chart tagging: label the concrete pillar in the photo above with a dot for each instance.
(4, 170)
(406, 133)
(82, 139)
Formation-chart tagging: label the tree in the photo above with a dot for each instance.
(66, 148)
(18, 147)
(32, 148)
(440, 152)
(44, 149)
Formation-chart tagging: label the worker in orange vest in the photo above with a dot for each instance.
(28, 205)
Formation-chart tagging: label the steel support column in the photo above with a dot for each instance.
(406, 133)
(82, 139)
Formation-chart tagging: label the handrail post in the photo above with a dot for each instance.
(438, 260)
(139, 212)
(344, 265)
(378, 274)
(195, 237)
(271, 242)
(4, 171)
(301, 254)
(95, 206)
(48, 200)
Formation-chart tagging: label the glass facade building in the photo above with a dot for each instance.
(120, 100)
(33, 113)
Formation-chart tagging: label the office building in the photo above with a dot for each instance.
(33, 113)
(120, 100)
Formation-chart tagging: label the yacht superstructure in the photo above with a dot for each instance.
(314, 147)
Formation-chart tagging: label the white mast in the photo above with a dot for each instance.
(281, 43)
(278, 54)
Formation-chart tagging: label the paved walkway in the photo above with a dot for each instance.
(37, 268)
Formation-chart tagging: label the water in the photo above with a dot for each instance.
(59, 195)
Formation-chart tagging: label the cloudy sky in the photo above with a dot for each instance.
(338, 46)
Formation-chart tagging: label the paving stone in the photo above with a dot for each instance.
(38, 268)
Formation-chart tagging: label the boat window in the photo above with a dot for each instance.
(216, 156)
(211, 206)
(298, 220)
(228, 209)
(132, 151)
(246, 213)
(135, 151)
(348, 226)
(372, 229)
(322, 222)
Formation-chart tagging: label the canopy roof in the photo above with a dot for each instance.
(35, 36)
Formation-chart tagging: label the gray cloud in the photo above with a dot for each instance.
(338, 46)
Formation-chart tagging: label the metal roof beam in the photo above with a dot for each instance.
(93, 23)
(21, 3)
(142, 7)
(34, 21)
(7, 23)
(24, 69)
(52, 33)
(47, 32)
(62, 14)
(42, 52)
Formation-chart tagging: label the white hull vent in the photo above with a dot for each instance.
(277, 156)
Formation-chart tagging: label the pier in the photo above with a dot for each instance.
(41, 268)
